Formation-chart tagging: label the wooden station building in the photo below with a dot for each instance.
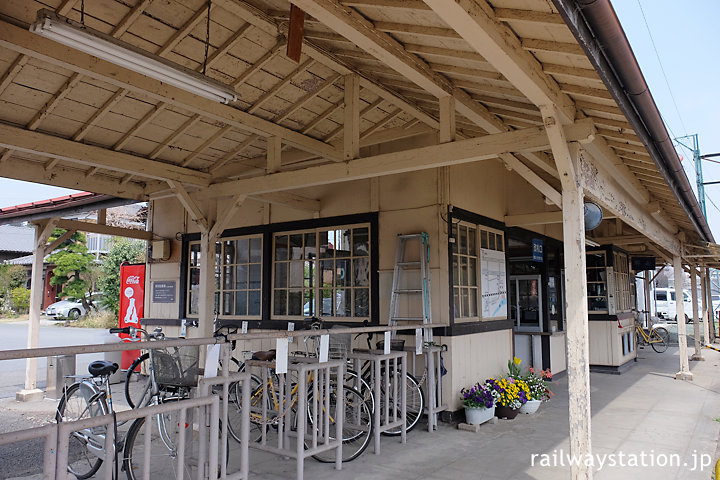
(485, 123)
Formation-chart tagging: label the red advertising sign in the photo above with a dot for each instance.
(132, 300)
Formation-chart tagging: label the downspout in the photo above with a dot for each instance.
(597, 28)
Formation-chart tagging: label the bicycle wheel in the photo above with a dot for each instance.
(657, 342)
(78, 403)
(138, 385)
(662, 331)
(164, 438)
(235, 413)
(357, 426)
(414, 404)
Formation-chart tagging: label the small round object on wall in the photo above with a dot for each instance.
(593, 215)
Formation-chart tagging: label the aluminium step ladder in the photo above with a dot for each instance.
(408, 291)
(411, 291)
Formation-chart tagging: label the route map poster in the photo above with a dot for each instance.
(493, 283)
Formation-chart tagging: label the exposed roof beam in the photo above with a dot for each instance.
(475, 21)
(59, 148)
(103, 229)
(530, 16)
(289, 200)
(22, 41)
(539, 218)
(451, 153)
(190, 204)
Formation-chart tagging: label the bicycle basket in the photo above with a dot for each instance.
(339, 345)
(176, 366)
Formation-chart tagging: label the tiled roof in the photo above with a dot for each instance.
(16, 239)
(76, 199)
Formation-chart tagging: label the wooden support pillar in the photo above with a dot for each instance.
(37, 287)
(648, 309)
(206, 304)
(578, 357)
(684, 373)
(351, 128)
(102, 216)
(697, 355)
(705, 314)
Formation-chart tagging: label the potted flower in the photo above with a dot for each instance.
(479, 402)
(512, 394)
(538, 389)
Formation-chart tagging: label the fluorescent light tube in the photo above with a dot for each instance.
(75, 35)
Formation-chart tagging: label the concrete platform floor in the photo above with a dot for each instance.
(644, 410)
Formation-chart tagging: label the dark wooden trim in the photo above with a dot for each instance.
(183, 286)
(451, 287)
(161, 322)
(467, 216)
(266, 286)
(474, 327)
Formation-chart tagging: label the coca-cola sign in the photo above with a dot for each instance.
(133, 280)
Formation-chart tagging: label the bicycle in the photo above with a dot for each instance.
(357, 426)
(657, 337)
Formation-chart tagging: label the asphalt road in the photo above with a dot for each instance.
(14, 336)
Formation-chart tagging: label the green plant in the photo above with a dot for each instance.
(102, 320)
(20, 299)
(512, 393)
(71, 261)
(539, 389)
(121, 251)
(514, 368)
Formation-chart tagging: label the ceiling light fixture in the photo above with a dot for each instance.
(75, 35)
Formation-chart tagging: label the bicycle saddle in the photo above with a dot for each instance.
(264, 356)
(100, 368)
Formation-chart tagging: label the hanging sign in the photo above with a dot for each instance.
(493, 286)
(132, 300)
(537, 250)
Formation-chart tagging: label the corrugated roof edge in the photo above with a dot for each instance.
(60, 207)
(597, 29)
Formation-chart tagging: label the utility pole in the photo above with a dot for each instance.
(698, 168)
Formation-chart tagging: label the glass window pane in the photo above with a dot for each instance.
(241, 280)
(361, 241)
(327, 244)
(195, 255)
(342, 273)
(327, 303)
(310, 245)
(472, 272)
(456, 302)
(327, 276)
(473, 303)
(240, 303)
(456, 272)
(309, 304)
(463, 271)
(227, 304)
(453, 245)
(280, 302)
(228, 278)
(296, 274)
(342, 303)
(463, 240)
(295, 299)
(342, 247)
(362, 302)
(483, 239)
(309, 280)
(255, 274)
(296, 244)
(242, 250)
(254, 302)
(256, 250)
(491, 241)
(472, 239)
(465, 295)
(281, 247)
(281, 275)
(499, 245)
(361, 272)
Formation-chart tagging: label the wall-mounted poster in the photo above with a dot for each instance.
(493, 283)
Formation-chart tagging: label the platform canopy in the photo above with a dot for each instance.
(370, 71)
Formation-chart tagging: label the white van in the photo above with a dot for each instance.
(665, 304)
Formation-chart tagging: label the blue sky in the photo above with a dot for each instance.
(685, 34)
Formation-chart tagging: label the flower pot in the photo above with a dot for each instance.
(476, 416)
(530, 406)
(506, 412)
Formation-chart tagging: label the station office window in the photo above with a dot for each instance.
(608, 282)
(479, 285)
(322, 272)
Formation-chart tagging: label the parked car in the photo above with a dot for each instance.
(665, 304)
(71, 308)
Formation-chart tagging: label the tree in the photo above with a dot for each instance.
(11, 277)
(71, 262)
(121, 251)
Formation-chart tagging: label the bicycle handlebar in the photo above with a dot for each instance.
(120, 330)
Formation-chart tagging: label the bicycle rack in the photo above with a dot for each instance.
(432, 384)
(313, 398)
(385, 416)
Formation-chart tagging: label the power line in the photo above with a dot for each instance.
(657, 54)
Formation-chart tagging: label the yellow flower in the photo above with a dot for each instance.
(517, 361)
